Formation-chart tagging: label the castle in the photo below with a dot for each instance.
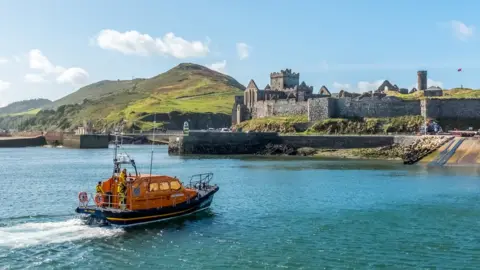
(284, 88)
(286, 96)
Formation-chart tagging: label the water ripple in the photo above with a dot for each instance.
(268, 214)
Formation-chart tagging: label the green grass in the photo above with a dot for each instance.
(455, 93)
(29, 112)
(299, 124)
(287, 124)
(403, 124)
(186, 88)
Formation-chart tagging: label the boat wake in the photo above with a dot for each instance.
(42, 233)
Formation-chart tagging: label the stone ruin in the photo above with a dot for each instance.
(285, 95)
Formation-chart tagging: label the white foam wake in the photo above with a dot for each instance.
(39, 233)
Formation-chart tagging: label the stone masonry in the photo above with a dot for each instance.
(285, 95)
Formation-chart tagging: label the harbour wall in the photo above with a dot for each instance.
(22, 141)
(87, 141)
(71, 140)
(222, 143)
(251, 143)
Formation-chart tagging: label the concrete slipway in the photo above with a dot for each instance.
(457, 152)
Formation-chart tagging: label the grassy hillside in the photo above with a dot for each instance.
(186, 88)
(25, 106)
(96, 91)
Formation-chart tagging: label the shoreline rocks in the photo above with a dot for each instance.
(423, 147)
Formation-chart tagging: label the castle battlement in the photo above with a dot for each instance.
(287, 72)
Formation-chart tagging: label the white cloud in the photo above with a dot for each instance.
(364, 86)
(341, 86)
(243, 50)
(17, 58)
(34, 78)
(39, 61)
(431, 82)
(4, 85)
(74, 75)
(3, 60)
(461, 30)
(219, 66)
(135, 43)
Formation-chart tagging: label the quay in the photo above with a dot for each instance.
(250, 143)
(22, 141)
(55, 138)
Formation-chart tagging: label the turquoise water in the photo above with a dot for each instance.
(268, 214)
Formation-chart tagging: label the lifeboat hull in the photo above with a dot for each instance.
(118, 218)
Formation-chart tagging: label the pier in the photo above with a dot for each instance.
(22, 141)
(56, 138)
(250, 143)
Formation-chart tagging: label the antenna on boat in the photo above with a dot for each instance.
(115, 151)
(153, 140)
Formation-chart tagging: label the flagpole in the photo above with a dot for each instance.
(460, 70)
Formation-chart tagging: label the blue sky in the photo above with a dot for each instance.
(50, 48)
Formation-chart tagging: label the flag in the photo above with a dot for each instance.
(460, 69)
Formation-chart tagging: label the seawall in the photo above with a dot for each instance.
(56, 138)
(251, 143)
(221, 143)
(22, 141)
(85, 141)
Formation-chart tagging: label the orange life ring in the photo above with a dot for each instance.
(99, 199)
(83, 197)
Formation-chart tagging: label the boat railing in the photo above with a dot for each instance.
(112, 201)
(106, 201)
(200, 180)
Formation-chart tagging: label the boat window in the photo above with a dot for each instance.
(164, 186)
(175, 185)
(153, 187)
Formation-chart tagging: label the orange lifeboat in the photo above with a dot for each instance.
(144, 198)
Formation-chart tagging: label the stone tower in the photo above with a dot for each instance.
(421, 80)
(284, 79)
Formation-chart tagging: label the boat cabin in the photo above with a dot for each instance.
(144, 192)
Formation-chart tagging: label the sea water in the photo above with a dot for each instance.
(292, 213)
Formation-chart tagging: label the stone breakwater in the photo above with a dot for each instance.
(22, 141)
(410, 149)
(233, 143)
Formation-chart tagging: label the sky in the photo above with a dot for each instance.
(51, 48)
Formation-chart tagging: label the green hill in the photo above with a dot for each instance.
(95, 91)
(187, 89)
(25, 106)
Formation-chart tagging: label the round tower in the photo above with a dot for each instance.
(421, 80)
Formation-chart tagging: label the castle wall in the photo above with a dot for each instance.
(372, 107)
(320, 108)
(452, 108)
(269, 108)
(276, 83)
(291, 81)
